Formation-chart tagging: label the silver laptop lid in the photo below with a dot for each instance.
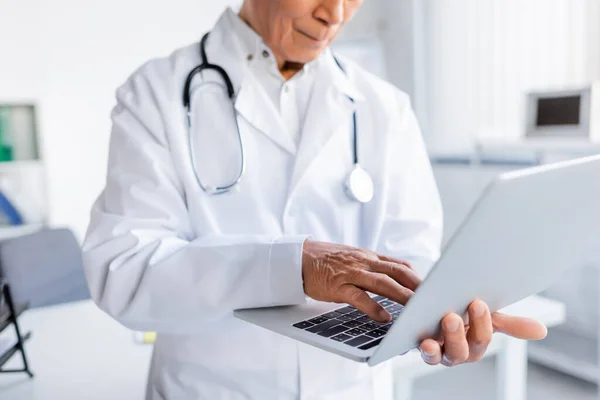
(526, 229)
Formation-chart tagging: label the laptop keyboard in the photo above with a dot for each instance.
(352, 327)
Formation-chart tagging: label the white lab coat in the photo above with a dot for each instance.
(161, 255)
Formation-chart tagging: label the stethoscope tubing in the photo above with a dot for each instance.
(364, 197)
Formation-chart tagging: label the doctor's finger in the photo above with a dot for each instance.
(431, 351)
(519, 327)
(395, 260)
(456, 348)
(399, 272)
(479, 334)
(383, 285)
(363, 302)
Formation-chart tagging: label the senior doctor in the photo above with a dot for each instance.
(171, 248)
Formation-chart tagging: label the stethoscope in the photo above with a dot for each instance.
(359, 184)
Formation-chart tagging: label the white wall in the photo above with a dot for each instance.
(71, 55)
(593, 23)
(484, 55)
(391, 22)
(20, 77)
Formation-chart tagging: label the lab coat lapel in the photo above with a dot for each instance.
(329, 113)
(258, 110)
(251, 101)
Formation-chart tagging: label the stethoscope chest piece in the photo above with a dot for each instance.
(359, 185)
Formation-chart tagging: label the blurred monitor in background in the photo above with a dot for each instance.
(567, 114)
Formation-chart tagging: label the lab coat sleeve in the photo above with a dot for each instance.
(142, 262)
(413, 223)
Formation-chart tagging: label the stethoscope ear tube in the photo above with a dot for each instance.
(205, 65)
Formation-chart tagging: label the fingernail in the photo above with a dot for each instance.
(446, 361)
(478, 349)
(384, 315)
(426, 356)
(452, 325)
(478, 309)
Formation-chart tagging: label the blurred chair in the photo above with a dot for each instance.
(44, 268)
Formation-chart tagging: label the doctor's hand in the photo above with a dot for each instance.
(464, 341)
(342, 274)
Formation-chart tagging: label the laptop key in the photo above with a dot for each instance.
(324, 326)
(345, 310)
(352, 324)
(369, 327)
(356, 314)
(333, 331)
(376, 333)
(357, 341)
(378, 324)
(379, 298)
(318, 320)
(356, 332)
(370, 345)
(331, 315)
(345, 317)
(395, 307)
(364, 319)
(342, 337)
(303, 325)
(386, 303)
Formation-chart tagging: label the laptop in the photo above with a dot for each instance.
(525, 230)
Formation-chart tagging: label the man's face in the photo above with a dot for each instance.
(299, 30)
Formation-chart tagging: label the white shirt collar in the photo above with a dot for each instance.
(248, 42)
(252, 44)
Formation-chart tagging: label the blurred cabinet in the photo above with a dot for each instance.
(23, 199)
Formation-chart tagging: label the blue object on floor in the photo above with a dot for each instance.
(8, 209)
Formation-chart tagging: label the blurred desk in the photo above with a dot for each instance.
(9, 232)
(511, 362)
(78, 352)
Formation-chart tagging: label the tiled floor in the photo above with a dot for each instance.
(477, 382)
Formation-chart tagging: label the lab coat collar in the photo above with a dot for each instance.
(251, 101)
(333, 101)
(339, 80)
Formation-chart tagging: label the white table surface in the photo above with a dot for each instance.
(78, 352)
